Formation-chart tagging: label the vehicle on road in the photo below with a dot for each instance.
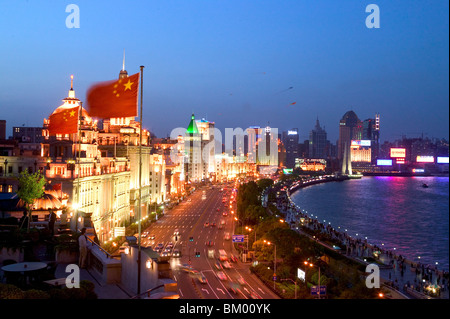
(233, 258)
(223, 256)
(176, 253)
(144, 234)
(210, 253)
(224, 214)
(202, 279)
(220, 226)
(213, 224)
(242, 281)
(221, 275)
(218, 265)
(152, 237)
(209, 243)
(206, 224)
(176, 232)
(185, 267)
(227, 236)
(226, 265)
(169, 245)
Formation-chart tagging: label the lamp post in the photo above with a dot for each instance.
(312, 265)
(295, 283)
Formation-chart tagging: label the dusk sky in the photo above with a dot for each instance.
(237, 63)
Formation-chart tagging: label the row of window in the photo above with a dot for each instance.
(6, 188)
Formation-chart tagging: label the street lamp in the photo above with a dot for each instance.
(295, 283)
(312, 265)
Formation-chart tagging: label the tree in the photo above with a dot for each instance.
(31, 187)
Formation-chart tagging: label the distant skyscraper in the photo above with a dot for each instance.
(2, 129)
(350, 128)
(318, 142)
(290, 140)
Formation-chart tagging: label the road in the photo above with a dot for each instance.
(205, 205)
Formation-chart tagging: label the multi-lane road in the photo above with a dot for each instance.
(197, 228)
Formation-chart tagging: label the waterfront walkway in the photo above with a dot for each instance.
(408, 279)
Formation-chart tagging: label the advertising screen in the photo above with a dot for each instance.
(301, 274)
(287, 171)
(398, 152)
(424, 159)
(400, 160)
(384, 162)
(442, 160)
(361, 142)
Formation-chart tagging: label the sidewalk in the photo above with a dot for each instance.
(403, 282)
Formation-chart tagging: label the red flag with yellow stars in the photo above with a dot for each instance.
(64, 122)
(118, 98)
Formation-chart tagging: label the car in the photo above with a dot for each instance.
(144, 234)
(254, 295)
(227, 236)
(176, 232)
(152, 236)
(224, 214)
(226, 265)
(218, 265)
(222, 222)
(206, 224)
(176, 253)
(221, 275)
(202, 279)
(213, 224)
(209, 243)
(242, 281)
(185, 267)
(170, 245)
(164, 254)
(220, 226)
(233, 258)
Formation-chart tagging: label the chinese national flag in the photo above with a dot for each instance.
(118, 98)
(64, 122)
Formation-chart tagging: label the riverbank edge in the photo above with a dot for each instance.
(292, 190)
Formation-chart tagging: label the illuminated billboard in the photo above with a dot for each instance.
(398, 152)
(400, 160)
(292, 132)
(287, 171)
(418, 170)
(384, 162)
(360, 143)
(424, 159)
(442, 160)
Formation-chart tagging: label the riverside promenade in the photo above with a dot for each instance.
(406, 279)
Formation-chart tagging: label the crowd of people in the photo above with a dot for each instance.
(423, 278)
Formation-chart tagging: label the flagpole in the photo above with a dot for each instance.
(79, 156)
(140, 187)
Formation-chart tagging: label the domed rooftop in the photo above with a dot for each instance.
(70, 102)
(350, 118)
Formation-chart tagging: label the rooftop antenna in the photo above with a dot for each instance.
(123, 63)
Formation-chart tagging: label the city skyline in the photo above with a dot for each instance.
(282, 64)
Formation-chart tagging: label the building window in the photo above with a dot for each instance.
(10, 188)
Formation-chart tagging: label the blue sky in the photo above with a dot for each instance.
(237, 63)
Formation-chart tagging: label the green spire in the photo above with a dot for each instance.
(192, 128)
